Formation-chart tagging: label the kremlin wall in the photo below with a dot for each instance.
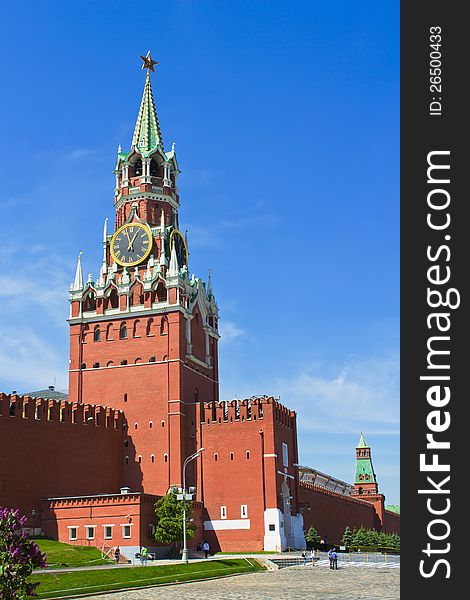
(87, 468)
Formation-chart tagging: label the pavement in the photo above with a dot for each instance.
(354, 580)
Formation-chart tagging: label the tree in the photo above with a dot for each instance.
(169, 517)
(18, 556)
(311, 537)
(347, 537)
(360, 537)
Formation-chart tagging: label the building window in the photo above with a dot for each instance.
(90, 532)
(96, 365)
(96, 334)
(72, 533)
(126, 531)
(216, 457)
(124, 362)
(165, 457)
(272, 527)
(127, 460)
(285, 455)
(108, 532)
(231, 455)
(244, 511)
(136, 425)
(149, 327)
(223, 512)
(247, 455)
(125, 397)
(150, 424)
(139, 459)
(152, 359)
(152, 457)
(163, 423)
(123, 332)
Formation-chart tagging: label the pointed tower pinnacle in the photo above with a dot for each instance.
(362, 442)
(147, 134)
(78, 282)
(173, 270)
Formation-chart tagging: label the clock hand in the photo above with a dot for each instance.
(131, 242)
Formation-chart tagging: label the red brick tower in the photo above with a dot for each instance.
(365, 481)
(143, 336)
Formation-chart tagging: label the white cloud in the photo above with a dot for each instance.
(28, 362)
(230, 332)
(362, 395)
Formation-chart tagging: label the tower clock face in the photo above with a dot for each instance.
(131, 244)
(177, 240)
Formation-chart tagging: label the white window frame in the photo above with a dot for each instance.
(223, 512)
(87, 529)
(105, 537)
(70, 527)
(285, 454)
(244, 511)
(124, 525)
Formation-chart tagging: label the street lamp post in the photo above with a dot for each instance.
(184, 556)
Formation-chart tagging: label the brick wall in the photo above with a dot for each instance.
(56, 448)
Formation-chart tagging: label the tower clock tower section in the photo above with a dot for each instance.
(144, 334)
(365, 482)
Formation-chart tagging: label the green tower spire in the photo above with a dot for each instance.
(147, 134)
(364, 468)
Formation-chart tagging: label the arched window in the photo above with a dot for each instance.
(97, 334)
(137, 168)
(163, 423)
(127, 460)
(165, 457)
(231, 455)
(90, 301)
(136, 329)
(153, 168)
(123, 332)
(113, 300)
(109, 332)
(149, 328)
(152, 457)
(161, 292)
(216, 457)
(139, 459)
(164, 326)
(150, 424)
(247, 455)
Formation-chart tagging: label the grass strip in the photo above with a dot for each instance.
(59, 554)
(59, 585)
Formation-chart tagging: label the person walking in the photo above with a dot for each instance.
(312, 557)
(205, 549)
(304, 557)
(117, 554)
(330, 557)
(334, 559)
(144, 554)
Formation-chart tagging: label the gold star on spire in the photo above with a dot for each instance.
(148, 62)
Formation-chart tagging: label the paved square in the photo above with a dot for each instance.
(296, 583)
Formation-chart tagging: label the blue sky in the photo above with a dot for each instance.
(286, 123)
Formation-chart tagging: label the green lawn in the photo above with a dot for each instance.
(59, 585)
(66, 555)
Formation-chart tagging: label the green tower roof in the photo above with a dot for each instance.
(147, 134)
(364, 466)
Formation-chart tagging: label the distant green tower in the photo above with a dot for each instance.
(365, 482)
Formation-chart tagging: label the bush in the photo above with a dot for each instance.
(18, 556)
